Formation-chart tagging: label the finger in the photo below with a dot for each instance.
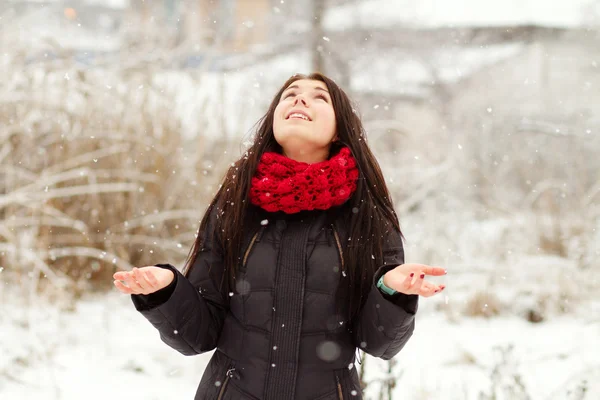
(417, 287)
(122, 288)
(141, 280)
(434, 271)
(438, 289)
(426, 292)
(407, 284)
(151, 279)
(120, 275)
(133, 285)
(428, 289)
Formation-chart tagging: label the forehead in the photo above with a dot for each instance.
(307, 84)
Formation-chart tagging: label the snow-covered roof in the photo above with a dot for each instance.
(115, 4)
(457, 13)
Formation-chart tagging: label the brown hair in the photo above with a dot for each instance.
(370, 208)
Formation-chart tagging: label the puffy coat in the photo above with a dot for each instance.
(279, 336)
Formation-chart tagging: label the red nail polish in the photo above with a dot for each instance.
(412, 274)
(422, 276)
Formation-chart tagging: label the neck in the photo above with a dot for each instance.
(307, 156)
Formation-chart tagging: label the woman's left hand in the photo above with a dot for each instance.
(410, 279)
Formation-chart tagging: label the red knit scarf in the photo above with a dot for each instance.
(283, 184)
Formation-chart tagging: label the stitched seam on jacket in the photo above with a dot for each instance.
(322, 332)
(173, 329)
(248, 327)
(401, 332)
(258, 290)
(400, 327)
(242, 391)
(319, 292)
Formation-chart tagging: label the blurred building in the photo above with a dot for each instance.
(442, 62)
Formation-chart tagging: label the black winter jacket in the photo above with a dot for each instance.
(279, 337)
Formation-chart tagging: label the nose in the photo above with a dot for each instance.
(298, 98)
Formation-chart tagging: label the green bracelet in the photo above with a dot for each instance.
(384, 288)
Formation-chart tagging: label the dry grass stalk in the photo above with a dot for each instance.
(95, 175)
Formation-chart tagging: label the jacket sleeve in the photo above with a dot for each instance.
(189, 313)
(386, 322)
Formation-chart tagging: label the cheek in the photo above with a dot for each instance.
(278, 111)
(328, 122)
(277, 115)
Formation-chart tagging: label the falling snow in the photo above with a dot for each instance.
(491, 184)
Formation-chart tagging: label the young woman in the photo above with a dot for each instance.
(298, 261)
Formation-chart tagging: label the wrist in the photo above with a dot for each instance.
(386, 280)
(383, 287)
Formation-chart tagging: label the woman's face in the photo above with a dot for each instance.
(304, 121)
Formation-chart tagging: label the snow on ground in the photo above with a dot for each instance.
(105, 349)
(455, 361)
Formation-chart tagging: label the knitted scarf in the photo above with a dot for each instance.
(283, 184)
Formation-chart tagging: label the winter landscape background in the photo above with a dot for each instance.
(118, 119)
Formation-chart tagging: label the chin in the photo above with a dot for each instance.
(298, 140)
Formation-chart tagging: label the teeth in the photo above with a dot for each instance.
(297, 115)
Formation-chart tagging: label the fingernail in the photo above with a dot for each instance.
(412, 274)
(436, 290)
(422, 276)
(445, 271)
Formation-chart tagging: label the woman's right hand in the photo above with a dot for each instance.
(143, 280)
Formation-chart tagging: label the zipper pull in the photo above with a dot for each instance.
(359, 357)
(232, 373)
(339, 388)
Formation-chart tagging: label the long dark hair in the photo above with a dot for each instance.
(370, 209)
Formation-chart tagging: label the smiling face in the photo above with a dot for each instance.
(304, 121)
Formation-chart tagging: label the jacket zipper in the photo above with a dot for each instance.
(341, 254)
(339, 387)
(249, 248)
(228, 376)
(339, 245)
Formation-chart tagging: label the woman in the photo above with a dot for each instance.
(298, 261)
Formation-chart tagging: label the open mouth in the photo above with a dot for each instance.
(298, 115)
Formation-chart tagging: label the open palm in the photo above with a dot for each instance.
(410, 279)
(143, 280)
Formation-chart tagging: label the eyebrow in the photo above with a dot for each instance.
(297, 87)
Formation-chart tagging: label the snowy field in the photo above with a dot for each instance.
(104, 349)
